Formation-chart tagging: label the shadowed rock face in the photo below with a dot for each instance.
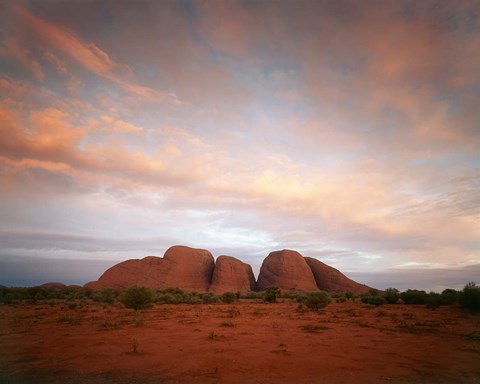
(332, 280)
(187, 268)
(232, 275)
(53, 285)
(287, 270)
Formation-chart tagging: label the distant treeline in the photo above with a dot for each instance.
(468, 298)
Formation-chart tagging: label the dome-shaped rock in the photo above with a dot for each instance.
(181, 267)
(287, 270)
(232, 275)
(332, 280)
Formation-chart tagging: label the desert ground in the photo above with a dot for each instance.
(244, 342)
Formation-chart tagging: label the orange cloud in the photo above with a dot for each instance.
(12, 48)
(90, 56)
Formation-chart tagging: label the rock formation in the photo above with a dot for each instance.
(232, 275)
(332, 280)
(53, 285)
(287, 270)
(193, 269)
(187, 268)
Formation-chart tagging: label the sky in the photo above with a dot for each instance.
(346, 130)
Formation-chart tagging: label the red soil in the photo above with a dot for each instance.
(246, 342)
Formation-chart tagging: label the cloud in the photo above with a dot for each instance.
(88, 55)
(342, 130)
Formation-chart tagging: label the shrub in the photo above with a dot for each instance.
(52, 302)
(251, 295)
(449, 296)
(374, 300)
(209, 298)
(391, 295)
(137, 297)
(349, 295)
(271, 294)
(228, 297)
(433, 300)
(470, 297)
(413, 296)
(317, 300)
(341, 299)
(106, 295)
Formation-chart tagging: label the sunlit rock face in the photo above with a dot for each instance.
(181, 267)
(232, 275)
(192, 269)
(287, 270)
(332, 280)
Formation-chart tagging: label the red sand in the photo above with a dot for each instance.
(246, 342)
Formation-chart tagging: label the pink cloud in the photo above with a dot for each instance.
(89, 56)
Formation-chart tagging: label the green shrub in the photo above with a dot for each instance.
(391, 295)
(72, 304)
(251, 295)
(271, 294)
(52, 302)
(433, 300)
(137, 297)
(209, 298)
(228, 297)
(450, 296)
(341, 299)
(106, 296)
(470, 297)
(413, 296)
(317, 300)
(374, 300)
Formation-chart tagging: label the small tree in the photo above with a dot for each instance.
(271, 294)
(137, 297)
(414, 296)
(317, 300)
(470, 297)
(391, 295)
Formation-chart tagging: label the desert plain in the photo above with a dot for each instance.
(245, 342)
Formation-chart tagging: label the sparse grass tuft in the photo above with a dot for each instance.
(313, 328)
(233, 312)
(227, 324)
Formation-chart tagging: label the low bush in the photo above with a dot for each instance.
(317, 300)
(433, 300)
(450, 296)
(228, 297)
(470, 297)
(137, 297)
(391, 295)
(271, 294)
(374, 300)
(209, 298)
(106, 296)
(414, 296)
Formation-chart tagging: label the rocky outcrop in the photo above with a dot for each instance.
(193, 269)
(287, 270)
(53, 285)
(232, 275)
(187, 268)
(332, 280)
